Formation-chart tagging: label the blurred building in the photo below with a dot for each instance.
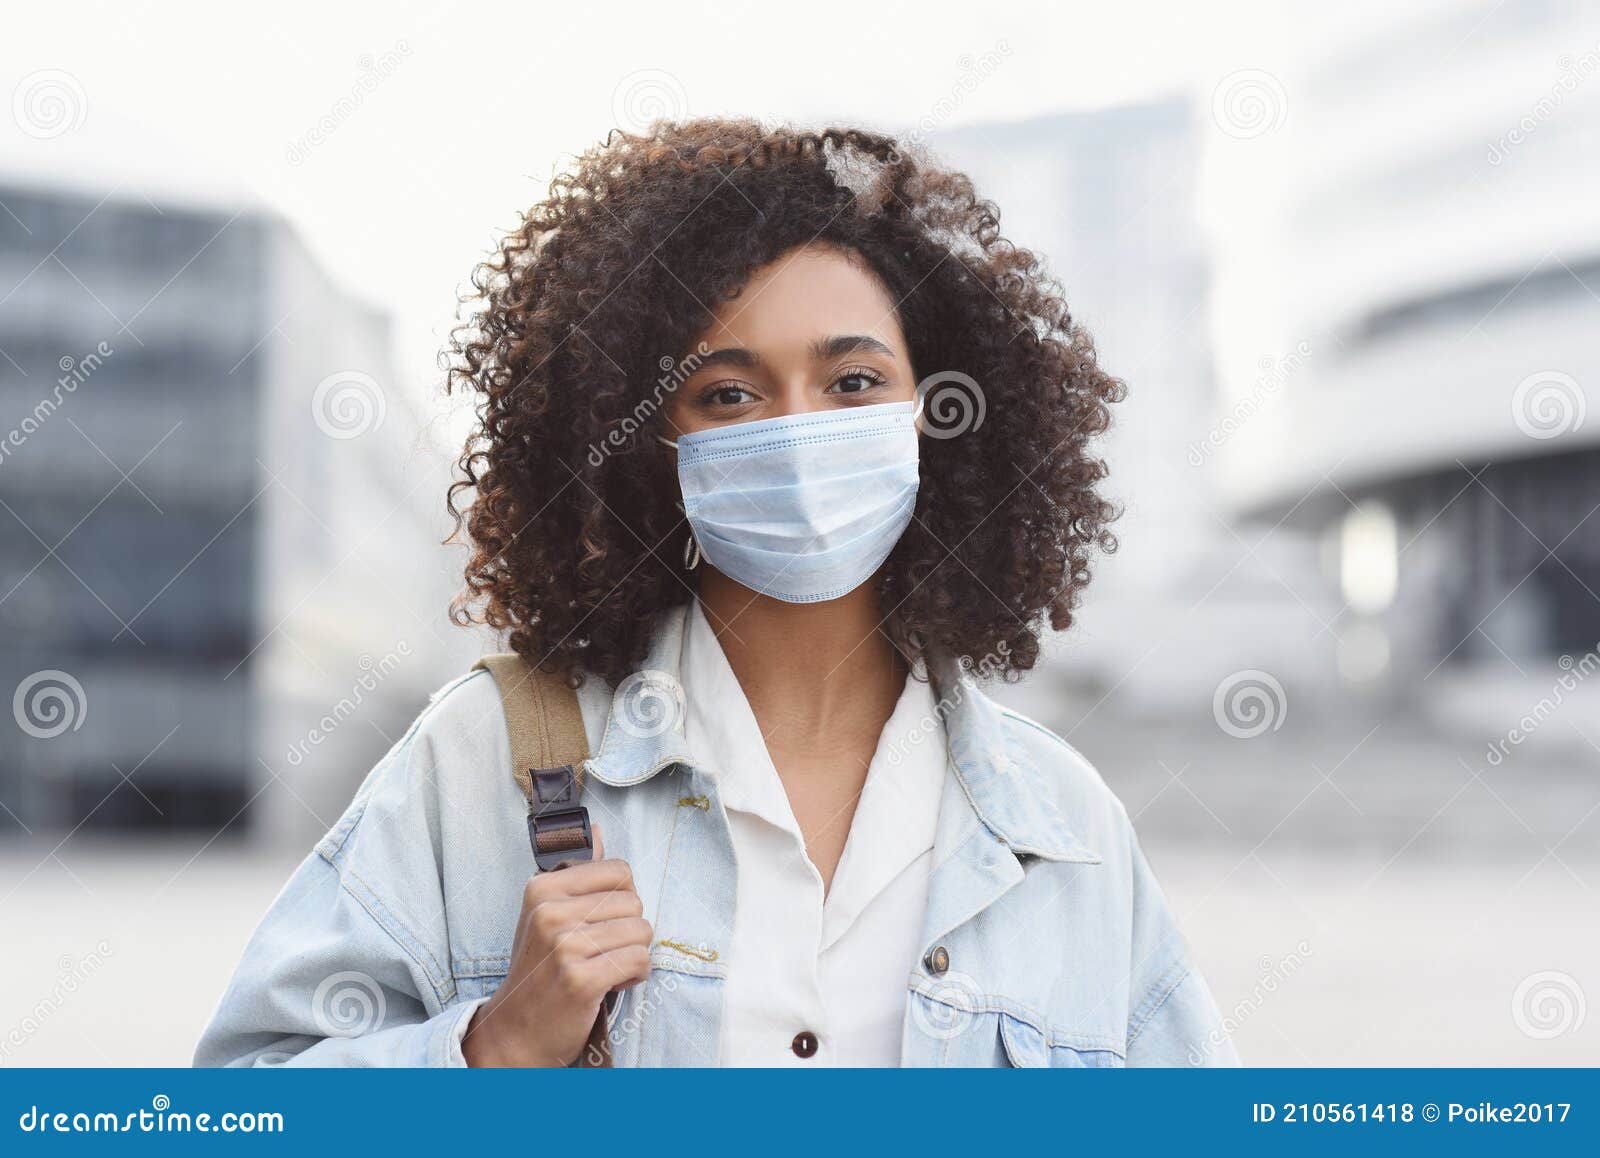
(211, 513)
(1108, 199)
(1432, 234)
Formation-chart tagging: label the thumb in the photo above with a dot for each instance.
(599, 842)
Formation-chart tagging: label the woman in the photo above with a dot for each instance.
(782, 450)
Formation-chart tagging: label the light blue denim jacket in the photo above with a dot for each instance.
(1058, 947)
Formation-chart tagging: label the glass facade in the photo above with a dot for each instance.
(129, 396)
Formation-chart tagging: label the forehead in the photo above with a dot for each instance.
(809, 293)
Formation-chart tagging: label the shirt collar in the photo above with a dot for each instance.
(722, 730)
(1008, 794)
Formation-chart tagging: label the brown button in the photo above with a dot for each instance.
(937, 961)
(804, 1043)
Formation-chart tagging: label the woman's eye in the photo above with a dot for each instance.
(854, 382)
(729, 395)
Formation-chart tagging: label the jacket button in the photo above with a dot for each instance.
(937, 961)
(804, 1043)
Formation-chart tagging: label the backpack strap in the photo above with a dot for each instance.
(548, 748)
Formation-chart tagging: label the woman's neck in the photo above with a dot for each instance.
(812, 669)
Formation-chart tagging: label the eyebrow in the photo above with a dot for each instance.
(729, 356)
(827, 348)
(823, 349)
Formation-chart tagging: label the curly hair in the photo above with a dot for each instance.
(572, 510)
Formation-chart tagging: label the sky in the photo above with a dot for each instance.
(455, 120)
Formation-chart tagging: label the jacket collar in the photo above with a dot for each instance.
(1005, 793)
(644, 729)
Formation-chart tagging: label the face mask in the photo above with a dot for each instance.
(805, 507)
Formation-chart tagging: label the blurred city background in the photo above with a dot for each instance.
(1340, 670)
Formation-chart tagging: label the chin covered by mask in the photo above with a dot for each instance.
(806, 507)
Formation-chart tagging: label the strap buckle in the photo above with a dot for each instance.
(558, 826)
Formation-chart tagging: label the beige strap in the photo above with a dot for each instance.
(543, 720)
(545, 726)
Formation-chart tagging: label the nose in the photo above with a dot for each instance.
(798, 394)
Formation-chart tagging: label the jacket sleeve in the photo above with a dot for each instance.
(350, 966)
(323, 984)
(1173, 1020)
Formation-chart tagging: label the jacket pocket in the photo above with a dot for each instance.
(1028, 1047)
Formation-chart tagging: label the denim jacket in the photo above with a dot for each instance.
(1047, 941)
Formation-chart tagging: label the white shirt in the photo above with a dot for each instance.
(839, 967)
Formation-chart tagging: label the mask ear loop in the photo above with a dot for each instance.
(691, 546)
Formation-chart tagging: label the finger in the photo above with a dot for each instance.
(546, 918)
(591, 909)
(618, 968)
(595, 876)
(604, 936)
(555, 918)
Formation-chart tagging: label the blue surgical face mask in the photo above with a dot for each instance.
(805, 507)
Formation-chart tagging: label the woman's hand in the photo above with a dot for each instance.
(581, 935)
